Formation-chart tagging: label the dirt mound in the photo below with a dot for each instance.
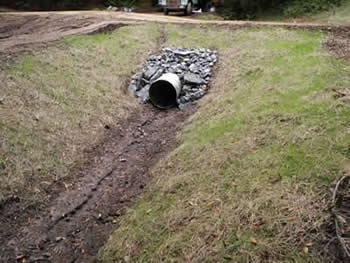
(26, 32)
(17, 30)
(338, 42)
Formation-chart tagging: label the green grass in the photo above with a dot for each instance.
(56, 103)
(256, 162)
(337, 15)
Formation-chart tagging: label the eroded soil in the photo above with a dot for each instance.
(76, 224)
(338, 42)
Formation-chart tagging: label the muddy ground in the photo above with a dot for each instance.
(27, 32)
(76, 223)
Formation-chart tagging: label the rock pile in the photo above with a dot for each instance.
(193, 66)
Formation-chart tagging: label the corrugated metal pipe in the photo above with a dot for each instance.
(164, 92)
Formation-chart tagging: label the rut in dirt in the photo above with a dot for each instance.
(77, 223)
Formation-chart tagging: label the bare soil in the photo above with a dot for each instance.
(338, 43)
(76, 224)
(28, 31)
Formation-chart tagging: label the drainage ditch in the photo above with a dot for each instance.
(76, 224)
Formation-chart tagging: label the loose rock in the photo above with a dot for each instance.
(150, 72)
(193, 66)
(191, 78)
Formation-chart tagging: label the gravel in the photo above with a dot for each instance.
(193, 66)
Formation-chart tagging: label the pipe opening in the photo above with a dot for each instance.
(163, 94)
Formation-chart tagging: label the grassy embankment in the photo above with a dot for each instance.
(56, 102)
(250, 179)
(337, 15)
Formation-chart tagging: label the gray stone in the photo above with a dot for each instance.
(207, 70)
(186, 88)
(205, 75)
(184, 99)
(182, 53)
(167, 49)
(137, 80)
(197, 95)
(144, 82)
(133, 89)
(183, 106)
(193, 79)
(157, 75)
(150, 72)
(143, 94)
(194, 68)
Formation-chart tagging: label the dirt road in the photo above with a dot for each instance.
(25, 31)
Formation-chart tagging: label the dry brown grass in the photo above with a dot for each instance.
(56, 103)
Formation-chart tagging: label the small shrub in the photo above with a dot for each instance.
(238, 9)
(247, 9)
(300, 7)
(49, 4)
(121, 3)
(70, 4)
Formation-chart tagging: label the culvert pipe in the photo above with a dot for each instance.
(164, 92)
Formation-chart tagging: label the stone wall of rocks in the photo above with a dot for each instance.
(193, 66)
